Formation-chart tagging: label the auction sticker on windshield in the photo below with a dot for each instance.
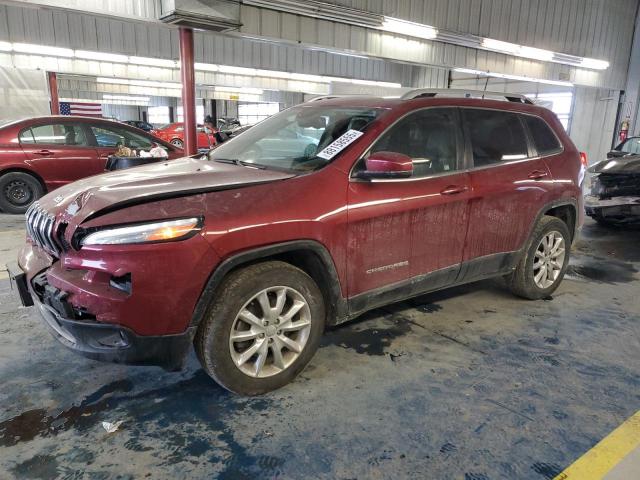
(340, 144)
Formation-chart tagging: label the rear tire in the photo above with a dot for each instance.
(544, 262)
(18, 190)
(248, 339)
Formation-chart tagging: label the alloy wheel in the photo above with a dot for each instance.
(270, 331)
(549, 259)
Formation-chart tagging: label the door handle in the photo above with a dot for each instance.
(537, 175)
(454, 189)
(44, 153)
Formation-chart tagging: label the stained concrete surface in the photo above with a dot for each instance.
(469, 383)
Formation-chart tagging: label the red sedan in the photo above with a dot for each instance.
(40, 154)
(174, 134)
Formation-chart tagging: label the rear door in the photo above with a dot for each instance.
(510, 184)
(405, 228)
(59, 151)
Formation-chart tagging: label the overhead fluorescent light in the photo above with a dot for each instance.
(207, 67)
(5, 46)
(493, 44)
(307, 78)
(412, 29)
(594, 64)
(139, 83)
(153, 62)
(236, 70)
(513, 77)
(376, 83)
(42, 50)
(116, 81)
(536, 53)
(249, 90)
(125, 97)
(100, 56)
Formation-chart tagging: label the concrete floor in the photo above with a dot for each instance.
(469, 383)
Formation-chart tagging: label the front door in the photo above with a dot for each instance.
(405, 229)
(59, 151)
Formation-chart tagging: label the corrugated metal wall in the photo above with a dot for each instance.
(89, 32)
(595, 28)
(588, 28)
(139, 9)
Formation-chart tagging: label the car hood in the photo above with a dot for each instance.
(628, 164)
(176, 178)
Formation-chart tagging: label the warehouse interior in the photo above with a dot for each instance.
(463, 383)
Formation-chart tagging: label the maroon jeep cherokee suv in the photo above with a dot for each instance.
(308, 219)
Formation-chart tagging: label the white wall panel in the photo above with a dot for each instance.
(23, 93)
(594, 119)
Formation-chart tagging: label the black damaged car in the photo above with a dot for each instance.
(614, 194)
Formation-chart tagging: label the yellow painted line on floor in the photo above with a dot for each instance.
(610, 451)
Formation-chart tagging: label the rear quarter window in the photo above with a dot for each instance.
(544, 139)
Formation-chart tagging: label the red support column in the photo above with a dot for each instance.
(187, 75)
(53, 93)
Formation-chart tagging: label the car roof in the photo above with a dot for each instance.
(61, 117)
(409, 104)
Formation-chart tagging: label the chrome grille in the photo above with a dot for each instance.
(40, 228)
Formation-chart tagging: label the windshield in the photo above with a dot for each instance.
(292, 139)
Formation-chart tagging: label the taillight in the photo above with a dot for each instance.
(583, 159)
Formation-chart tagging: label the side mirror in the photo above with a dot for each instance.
(615, 154)
(387, 165)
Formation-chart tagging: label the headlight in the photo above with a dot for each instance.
(145, 233)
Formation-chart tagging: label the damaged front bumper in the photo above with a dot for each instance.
(95, 340)
(117, 344)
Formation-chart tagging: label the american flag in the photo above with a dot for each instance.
(78, 108)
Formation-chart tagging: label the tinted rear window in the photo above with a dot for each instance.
(543, 137)
(496, 136)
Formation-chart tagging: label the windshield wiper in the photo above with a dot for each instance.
(235, 161)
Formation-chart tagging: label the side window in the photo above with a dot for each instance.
(428, 137)
(545, 141)
(108, 136)
(632, 146)
(495, 136)
(55, 134)
(26, 136)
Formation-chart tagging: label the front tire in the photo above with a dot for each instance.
(544, 262)
(263, 327)
(177, 143)
(18, 190)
